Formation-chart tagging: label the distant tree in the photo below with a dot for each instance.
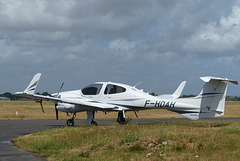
(46, 94)
(232, 98)
(9, 95)
(186, 96)
(153, 94)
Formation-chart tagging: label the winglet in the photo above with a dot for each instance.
(32, 85)
(176, 94)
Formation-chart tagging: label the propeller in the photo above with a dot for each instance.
(41, 105)
(60, 89)
(56, 111)
(58, 96)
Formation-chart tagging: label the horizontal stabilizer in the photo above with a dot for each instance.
(209, 78)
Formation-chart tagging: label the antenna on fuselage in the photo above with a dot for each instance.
(152, 89)
(137, 84)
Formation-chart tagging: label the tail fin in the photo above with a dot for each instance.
(32, 85)
(213, 96)
(209, 103)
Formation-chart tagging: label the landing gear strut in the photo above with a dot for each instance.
(121, 117)
(90, 118)
(70, 122)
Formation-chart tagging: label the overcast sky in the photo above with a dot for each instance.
(83, 41)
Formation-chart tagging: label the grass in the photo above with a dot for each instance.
(30, 110)
(162, 141)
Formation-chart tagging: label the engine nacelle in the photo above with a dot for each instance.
(66, 107)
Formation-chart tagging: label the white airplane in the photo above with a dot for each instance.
(109, 96)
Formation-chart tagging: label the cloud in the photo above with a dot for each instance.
(7, 51)
(123, 41)
(123, 48)
(30, 15)
(218, 36)
(162, 57)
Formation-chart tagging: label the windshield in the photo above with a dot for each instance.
(92, 89)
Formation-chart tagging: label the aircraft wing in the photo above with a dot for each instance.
(81, 102)
(30, 90)
(90, 103)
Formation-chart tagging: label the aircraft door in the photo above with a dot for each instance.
(112, 91)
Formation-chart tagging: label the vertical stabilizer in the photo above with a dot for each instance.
(209, 103)
(213, 97)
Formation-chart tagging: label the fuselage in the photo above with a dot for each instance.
(123, 96)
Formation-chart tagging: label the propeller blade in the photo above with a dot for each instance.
(41, 105)
(56, 111)
(60, 89)
(56, 102)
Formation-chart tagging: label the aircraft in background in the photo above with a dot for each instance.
(109, 96)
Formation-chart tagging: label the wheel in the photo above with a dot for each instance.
(121, 119)
(70, 122)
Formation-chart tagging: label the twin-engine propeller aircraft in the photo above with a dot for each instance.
(109, 96)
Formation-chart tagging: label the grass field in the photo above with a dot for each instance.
(194, 140)
(30, 110)
(204, 141)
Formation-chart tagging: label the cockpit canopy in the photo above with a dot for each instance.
(94, 89)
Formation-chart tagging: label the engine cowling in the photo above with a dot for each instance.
(66, 107)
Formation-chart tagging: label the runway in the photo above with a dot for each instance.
(11, 129)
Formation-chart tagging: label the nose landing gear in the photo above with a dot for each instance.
(70, 122)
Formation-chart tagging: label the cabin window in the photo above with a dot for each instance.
(113, 89)
(92, 89)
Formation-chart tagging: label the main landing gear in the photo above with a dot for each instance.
(70, 122)
(90, 118)
(89, 121)
(121, 117)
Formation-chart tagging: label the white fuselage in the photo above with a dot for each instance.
(129, 99)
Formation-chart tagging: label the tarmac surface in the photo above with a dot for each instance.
(10, 129)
